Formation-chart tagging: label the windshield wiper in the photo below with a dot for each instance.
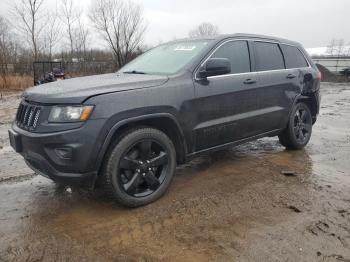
(135, 72)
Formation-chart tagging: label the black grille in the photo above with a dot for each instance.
(28, 116)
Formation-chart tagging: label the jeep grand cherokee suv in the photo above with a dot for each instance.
(128, 130)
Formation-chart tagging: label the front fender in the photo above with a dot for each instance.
(117, 126)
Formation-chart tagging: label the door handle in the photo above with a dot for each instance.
(291, 76)
(249, 81)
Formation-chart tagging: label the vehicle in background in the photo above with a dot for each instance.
(345, 72)
(47, 71)
(129, 130)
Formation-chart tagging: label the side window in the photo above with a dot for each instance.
(268, 56)
(238, 54)
(293, 57)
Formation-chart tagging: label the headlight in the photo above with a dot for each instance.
(61, 114)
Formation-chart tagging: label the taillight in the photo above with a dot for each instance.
(319, 75)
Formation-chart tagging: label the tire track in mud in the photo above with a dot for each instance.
(332, 227)
(16, 179)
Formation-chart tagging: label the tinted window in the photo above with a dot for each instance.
(268, 56)
(238, 54)
(293, 57)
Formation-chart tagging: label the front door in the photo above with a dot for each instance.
(225, 105)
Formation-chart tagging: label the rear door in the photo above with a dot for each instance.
(299, 70)
(305, 77)
(224, 103)
(276, 86)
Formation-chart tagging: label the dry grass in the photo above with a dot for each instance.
(15, 82)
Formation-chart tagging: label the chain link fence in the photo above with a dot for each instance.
(70, 68)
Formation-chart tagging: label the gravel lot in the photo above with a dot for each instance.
(232, 205)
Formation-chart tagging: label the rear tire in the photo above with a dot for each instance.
(298, 132)
(139, 168)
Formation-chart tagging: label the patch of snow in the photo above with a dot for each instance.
(322, 51)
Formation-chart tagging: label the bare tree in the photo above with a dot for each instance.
(331, 47)
(30, 22)
(336, 48)
(8, 50)
(121, 24)
(53, 33)
(204, 29)
(340, 48)
(347, 52)
(81, 39)
(3, 50)
(70, 17)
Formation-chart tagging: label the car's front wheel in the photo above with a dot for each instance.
(298, 132)
(140, 167)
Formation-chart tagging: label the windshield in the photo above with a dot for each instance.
(165, 59)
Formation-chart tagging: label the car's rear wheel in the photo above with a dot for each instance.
(140, 167)
(298, 132)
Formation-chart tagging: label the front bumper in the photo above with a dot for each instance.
(67, 157)
(40, 167)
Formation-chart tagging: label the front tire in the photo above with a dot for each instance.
(298, 132)
(140, 167)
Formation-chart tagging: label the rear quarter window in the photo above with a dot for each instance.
(293, 57)
(268, 56)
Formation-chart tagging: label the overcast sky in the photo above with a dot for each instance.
(312, 22)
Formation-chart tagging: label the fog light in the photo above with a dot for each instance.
(64, 153)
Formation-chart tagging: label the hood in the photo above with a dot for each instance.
(76, 90)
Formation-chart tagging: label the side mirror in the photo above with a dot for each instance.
(215, 67)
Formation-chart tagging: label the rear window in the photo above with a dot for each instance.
(268, 56)
(293, 57)
(238, 54)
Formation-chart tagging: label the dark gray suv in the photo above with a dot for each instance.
(128, 130)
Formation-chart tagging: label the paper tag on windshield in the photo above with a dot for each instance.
(184, 48)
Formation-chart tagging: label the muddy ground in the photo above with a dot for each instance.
(232, 205)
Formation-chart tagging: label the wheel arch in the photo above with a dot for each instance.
(311, 102)
(164, 122)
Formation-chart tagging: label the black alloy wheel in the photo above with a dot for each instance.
(298, 132)
(302, 125)
(139, 167)
(143, 167)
